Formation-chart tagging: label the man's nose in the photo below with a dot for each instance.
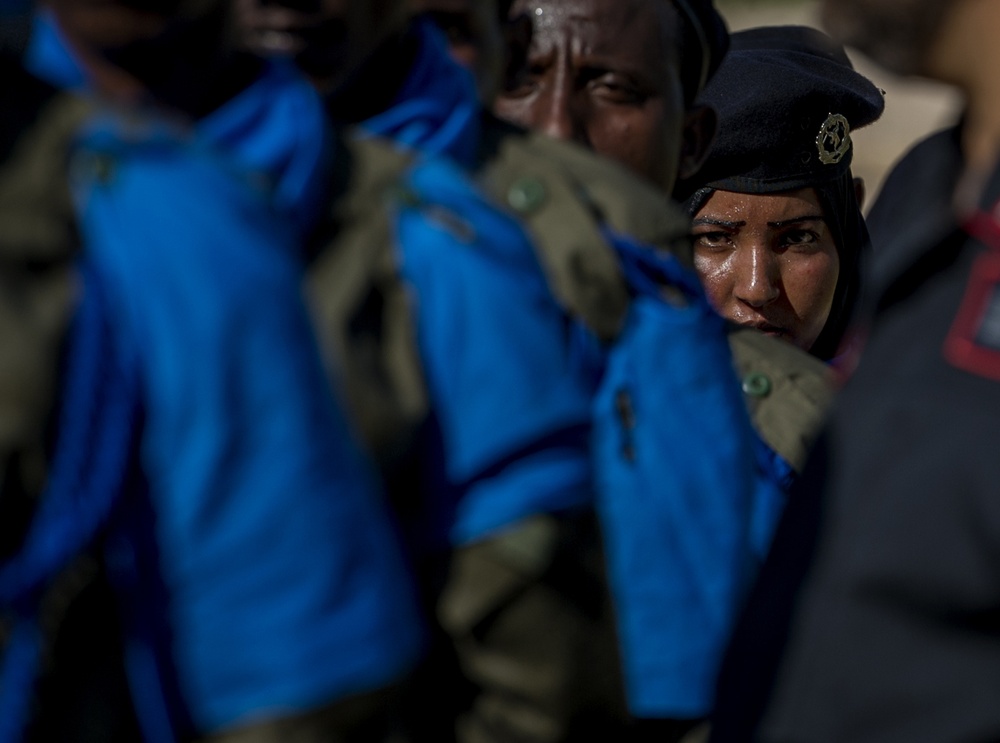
(560, 114)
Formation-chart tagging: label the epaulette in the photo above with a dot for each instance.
(359, 304)
(567, 197)
(788, 392)
(38, 244)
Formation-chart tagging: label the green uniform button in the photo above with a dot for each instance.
(404, 196)
(96, 167)
(526, 195)
(104, 169)
(757, 385)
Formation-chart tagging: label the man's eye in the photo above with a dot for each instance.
(617, 89)
(519, 86)
(523, 82)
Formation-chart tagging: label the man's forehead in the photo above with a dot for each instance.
(608, 23)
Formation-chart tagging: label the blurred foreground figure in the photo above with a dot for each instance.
(620, 402)
(193, 544)
(875, 615)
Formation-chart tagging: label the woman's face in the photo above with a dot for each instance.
(768, 261)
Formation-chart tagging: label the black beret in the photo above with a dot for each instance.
(711, 32)
(788, 99)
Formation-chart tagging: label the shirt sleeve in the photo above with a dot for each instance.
(285, 587)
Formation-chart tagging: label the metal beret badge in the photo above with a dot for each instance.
(834, 139)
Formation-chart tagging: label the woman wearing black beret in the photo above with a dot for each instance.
(779, 233)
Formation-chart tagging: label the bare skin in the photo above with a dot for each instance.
(329, 39)
(125, 47)
(605, 73)
(768, 261)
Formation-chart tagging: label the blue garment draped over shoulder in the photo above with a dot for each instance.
(677, 481)
(48, 56)
(278, 127)
(284, 586)
(499, 359)
(437, 112)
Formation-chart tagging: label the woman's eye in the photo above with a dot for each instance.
(712, 240)
(800, 237)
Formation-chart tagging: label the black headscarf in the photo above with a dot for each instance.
(847, 227)
(787, 99)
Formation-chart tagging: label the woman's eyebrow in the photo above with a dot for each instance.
(712, 222)
(797, 220)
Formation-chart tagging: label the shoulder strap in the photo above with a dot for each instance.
(360, 306)
(38, 243)
(788, 392)
(568, 197)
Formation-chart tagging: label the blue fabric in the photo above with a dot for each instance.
(438, 110)
(49, 57)
(776, 478)
(284, 583)
(96, 426)
(278, 127)
(22, 656)
(499, 360)
(676, 477)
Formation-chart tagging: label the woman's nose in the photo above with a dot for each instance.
(758, 278)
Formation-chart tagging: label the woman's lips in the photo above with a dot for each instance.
(768, 329)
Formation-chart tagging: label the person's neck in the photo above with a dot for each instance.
(373, 87)
(196, 92)
(193, 88)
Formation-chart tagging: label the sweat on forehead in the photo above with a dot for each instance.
(646, 28)
(689, 31)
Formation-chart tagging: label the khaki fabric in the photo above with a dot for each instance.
(360, 719)
(530, 616)
(577, 195)
(801, 390)
(361, 307)
(38, 243)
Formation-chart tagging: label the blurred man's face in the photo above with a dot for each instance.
(100, 25)
(131, 45)
(895, 33)
(327, 38)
